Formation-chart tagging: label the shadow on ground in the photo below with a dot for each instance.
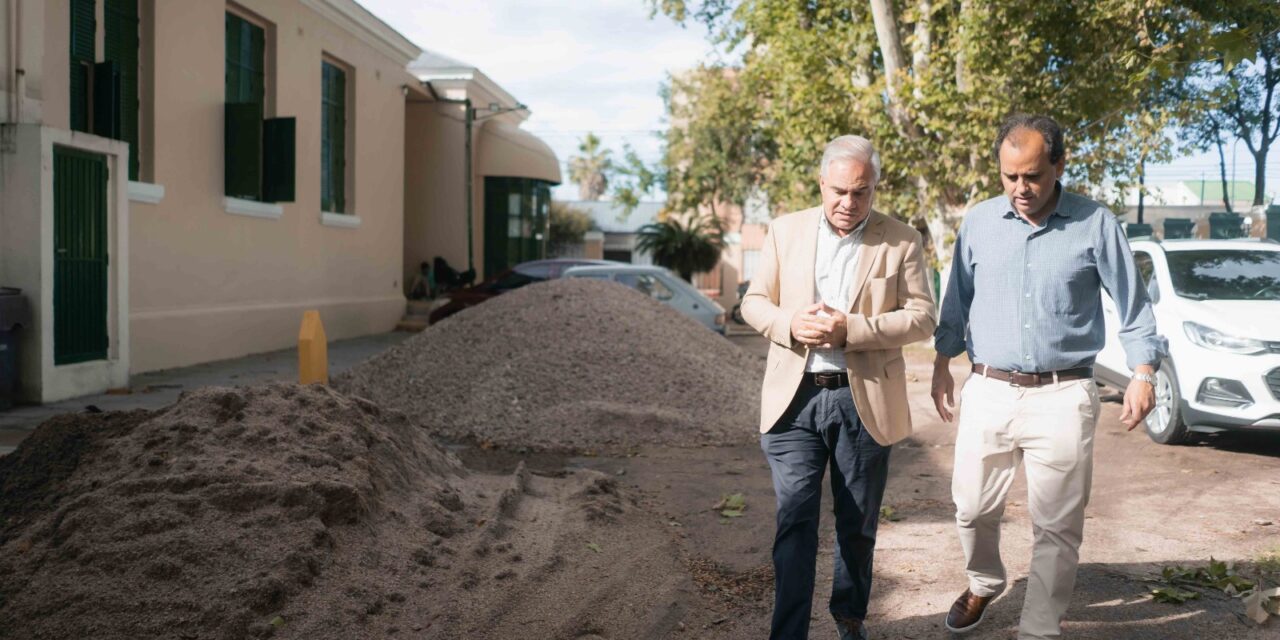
(1111, 601)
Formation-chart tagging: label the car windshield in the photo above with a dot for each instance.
(1225, 275)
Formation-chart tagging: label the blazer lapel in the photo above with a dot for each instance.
(872, 238)
(807, 255)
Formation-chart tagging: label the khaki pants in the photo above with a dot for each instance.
(1051, 429)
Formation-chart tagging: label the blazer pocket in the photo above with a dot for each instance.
(895, 368)
(882, 295)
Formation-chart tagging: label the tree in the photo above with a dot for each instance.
(684, 247)
(1238, 88)
(929, 81)
(590, 169)
(567, 226)
(711, 152)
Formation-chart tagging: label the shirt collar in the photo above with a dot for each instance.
(1061, 208)
(825, 227)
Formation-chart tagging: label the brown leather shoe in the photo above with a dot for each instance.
(851, 629)
(967, 612)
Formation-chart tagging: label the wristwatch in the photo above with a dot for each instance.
(1145, 377)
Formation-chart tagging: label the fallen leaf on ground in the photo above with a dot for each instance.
(732, 505)
(1173, 595)
(593, 546)
(889, 514)
(1262, 604)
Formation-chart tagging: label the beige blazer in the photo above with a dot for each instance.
(892, 306)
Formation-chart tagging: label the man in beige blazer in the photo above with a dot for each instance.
(839, 290)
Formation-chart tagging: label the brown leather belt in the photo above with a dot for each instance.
(1019, 379)
(828, 380)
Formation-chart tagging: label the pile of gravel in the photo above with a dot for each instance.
(221, 517)
(570, 364)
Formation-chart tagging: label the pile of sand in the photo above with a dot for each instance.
(206, 519)
(569, 364)
(295, 512)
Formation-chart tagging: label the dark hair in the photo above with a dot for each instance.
(1047, 127)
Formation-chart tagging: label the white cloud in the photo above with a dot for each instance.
(579, 65)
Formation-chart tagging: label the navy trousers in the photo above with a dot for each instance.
(821, 429)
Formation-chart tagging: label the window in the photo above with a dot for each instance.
(646, 284)
(84, 29)
(258, 153)
(1143, 260)
(120, 48)
(515, 221)
(333, 138)
(104, 95)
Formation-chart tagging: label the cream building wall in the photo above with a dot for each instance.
(208, 284)
(207, 278)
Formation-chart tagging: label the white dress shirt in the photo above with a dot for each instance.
(836, 260)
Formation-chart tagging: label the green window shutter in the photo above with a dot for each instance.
(243, 150)
(120, 45)
(333, 127)
(243, 157)
(83, 29)
(279, 137)
(106, 100)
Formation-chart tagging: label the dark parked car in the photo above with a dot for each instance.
(513, 278)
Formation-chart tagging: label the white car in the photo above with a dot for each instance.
(1218, 304)
(661, 285)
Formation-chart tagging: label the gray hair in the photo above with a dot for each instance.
(851, 147)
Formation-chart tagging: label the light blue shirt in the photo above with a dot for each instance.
(1027, 298)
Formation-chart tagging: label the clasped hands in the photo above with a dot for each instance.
(819, 325)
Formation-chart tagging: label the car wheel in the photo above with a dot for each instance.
(1164, 423)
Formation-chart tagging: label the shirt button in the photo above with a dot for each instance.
(1026, 326)
(1028, 295)
(1026, 357)
(1028, 264)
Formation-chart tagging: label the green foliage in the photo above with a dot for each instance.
(1235, 89)
(1112, 73)
(732, 505)
(889, 514)
(590, 168)
(684, 247)
(1218, 575)
(1173, 595)
(568, 224)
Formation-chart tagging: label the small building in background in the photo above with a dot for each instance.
(511, 171)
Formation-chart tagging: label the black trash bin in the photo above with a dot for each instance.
(14, 314)
(1175, 228)
(1137, 230)
(1273, 222)
(1224, 226)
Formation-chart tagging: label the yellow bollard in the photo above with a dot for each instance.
(313, 350)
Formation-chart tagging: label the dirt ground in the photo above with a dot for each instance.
(501, 543)
(1153, 506)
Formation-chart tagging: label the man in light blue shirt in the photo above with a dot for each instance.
(1024, 300)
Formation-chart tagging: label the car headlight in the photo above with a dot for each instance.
(1219, 341)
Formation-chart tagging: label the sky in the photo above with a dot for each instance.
(596, 66)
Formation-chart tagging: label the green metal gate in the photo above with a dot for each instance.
(79, 256)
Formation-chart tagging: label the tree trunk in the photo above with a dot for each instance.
(1260, 173)
(1222, 171)
(895, 63)
(962, 71)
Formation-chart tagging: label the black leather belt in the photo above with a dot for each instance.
(1039, 379)
(827, 380)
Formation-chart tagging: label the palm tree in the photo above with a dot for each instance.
(684, 248)
(591, 169)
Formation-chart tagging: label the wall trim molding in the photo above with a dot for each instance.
(252, 208)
